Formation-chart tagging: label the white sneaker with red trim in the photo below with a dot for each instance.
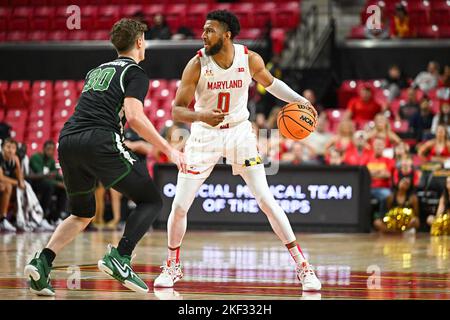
(170, 274)
(307, 277)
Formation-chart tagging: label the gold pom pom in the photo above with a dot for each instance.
(441, 225)
(398, 218)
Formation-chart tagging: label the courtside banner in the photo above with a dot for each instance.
(315, 198)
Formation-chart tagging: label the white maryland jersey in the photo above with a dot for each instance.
(225, 89)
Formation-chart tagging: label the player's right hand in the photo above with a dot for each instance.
(212, 117)
(179, 159)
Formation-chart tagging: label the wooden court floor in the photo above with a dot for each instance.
(243, 265)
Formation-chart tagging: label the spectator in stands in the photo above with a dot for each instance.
(411, 106)
(406, 168)
(359, 154)
(11, 177)
(443, 117)
(115, 198)
(383, 130)
(48, 183)
(427, 80)
(444, 80)
(159, 30)
(404, 197)
(444, 203)
(319, 138)
(394, 82)
(380, 169)
(336, 157)
(437, 149)
(371, 32)
(401, 25)
(271, 122)
(310, 95)
(401, 151)
(343, 139)
(363, 108)
(420, 123)
(300, 153)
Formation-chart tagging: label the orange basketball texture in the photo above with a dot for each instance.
(296, 121)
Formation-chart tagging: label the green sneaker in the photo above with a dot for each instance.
(38, 271)
(118, 267)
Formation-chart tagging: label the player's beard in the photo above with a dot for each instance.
(215, 49)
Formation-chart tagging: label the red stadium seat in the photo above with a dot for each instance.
(64, 84)
(5, 13)
(264, 13)
(151, 10)
(156, 87)
(18, 132)
(43, 17)
(244, 12)
(129, 11)
(99, 35)
(79, 86)
(278, 37)
(107, 16)
(428, 32)
(60, 18)
(20, 18)
(37, 134)
(221, 6)
(78, 35)
(57, 36)
(16, 116)
(18, 36)
(357, 32)
(444, 31)
(45, 102)
(38, 85)
(37, 36)
(2, 115)
(287, 15)
(62, 115)
(34, 147)
(2, 36)
(18, 94)
(196, 15)
(253, 33)
(175, 15)
(440, 12)
(89, 17)
(40, 114)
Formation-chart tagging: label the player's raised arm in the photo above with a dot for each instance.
(138, 121)
(185, 95)
(273, 85)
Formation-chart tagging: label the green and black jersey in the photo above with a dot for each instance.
(101, 102)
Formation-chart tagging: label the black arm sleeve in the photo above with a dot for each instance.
(136, 83)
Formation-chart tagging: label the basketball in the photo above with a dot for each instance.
(296, 121)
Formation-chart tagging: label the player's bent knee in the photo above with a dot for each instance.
(178, 211)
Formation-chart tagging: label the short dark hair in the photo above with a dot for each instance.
(9, 140)
(227, 19)
(125, 32)
(49, 143)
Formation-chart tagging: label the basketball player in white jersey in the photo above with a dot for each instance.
(219, 76)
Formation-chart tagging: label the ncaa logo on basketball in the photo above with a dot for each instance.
(307, 120)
